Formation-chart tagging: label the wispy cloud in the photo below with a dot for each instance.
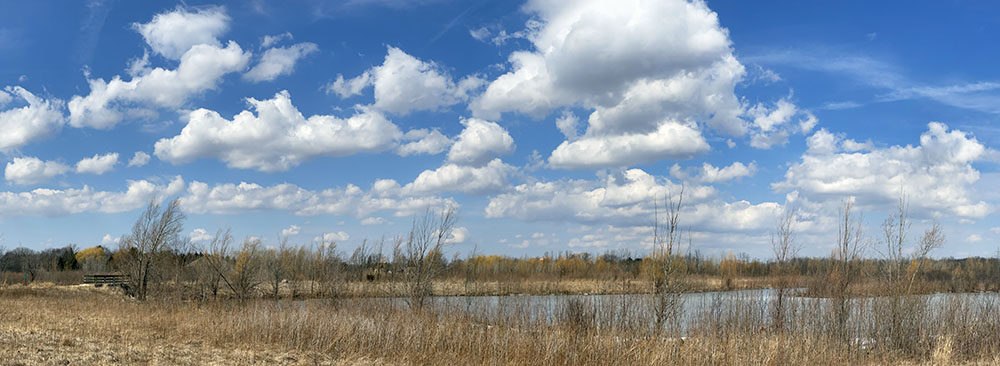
(333, 9)
(983, 96)
(451, 24)
(841, 105)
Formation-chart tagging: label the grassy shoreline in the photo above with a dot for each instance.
(84, 325)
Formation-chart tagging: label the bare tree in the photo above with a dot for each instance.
(424, 252)
(3, 263)
(247, 267)
(153, 233)
(785, 248)
(845, 268)
(276, 266)
(294, 262)
(664, 271)
(666, 230)
(894, 232)
(933, 238)
(327, 266)
(241, 270)
(215, 256)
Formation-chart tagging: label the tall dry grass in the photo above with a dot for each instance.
(729, 329)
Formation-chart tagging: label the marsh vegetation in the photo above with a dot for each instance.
(400, 300)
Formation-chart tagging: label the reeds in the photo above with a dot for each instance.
(725, 328)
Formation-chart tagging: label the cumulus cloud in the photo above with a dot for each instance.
(423, 141)
(173, 33)
(277, 138)
(568, 124)
(108, 239)
(271, 40)
(708, 173)
(292, 230)
(670, 140)
(490, 178)
(279, 61)
(458, 235)
(350, 87)
(97, 164)
(191, 38)
(32, 170)
(772, 126)
(5, 98)
(200, 69)
(38, 119)
(404, 83)
(626, 199)
(54, 202)
(334, 237)
(479, 142)
(385, 195)
(641, 67)
(936, 175)
(372, 221)
(200, 235)
(139, 159)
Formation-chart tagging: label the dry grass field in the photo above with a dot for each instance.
(82, 325)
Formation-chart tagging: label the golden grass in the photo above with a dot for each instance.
(54, 325)
(574, 286)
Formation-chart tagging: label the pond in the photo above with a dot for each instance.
(692, 311)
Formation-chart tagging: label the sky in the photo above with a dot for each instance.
(549, 125)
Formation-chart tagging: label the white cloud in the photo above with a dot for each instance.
(292, 230)
(763, 75)
(709, 173)
(277, 138)
(269, 40)
(200, 235)
(479, 142)
(849, 145)
(458, 235)
(481, 34)
(936, 175)
(108, 239)
(423, 141)
(139, 159)
(669, 141)
(627, 199)
(977, 95)
(38, 119)
(404, 83)
(568, 124)
(279, 61)
(97, 164)
(188, 36)
(32, 170)
(642, 67)
(385, 195)
(334, 237)
(348, 88)
(490, 178)
(200, 69)
(173, 33)
(372, 221)
(54, 202)
(5, 98)
(772, 126)
(974, 238)
(841, 105)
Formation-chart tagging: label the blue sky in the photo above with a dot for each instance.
(551, 125)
